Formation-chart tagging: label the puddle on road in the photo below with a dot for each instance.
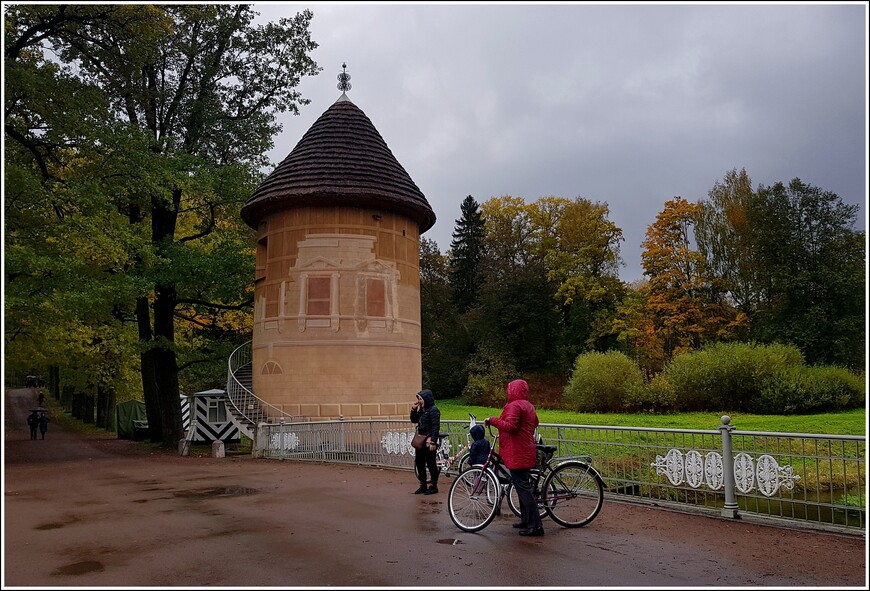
(56, 524)
(79, 568)
(216, 491)
(449, 541)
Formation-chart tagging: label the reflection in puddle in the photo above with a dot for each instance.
(217, 491)
(450, 541)
(79, 568)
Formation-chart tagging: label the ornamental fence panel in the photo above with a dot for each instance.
(790, 479)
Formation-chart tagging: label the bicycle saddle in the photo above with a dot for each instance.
(547, 449)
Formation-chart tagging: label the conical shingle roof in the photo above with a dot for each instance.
(341, 160)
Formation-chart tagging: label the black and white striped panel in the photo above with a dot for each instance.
(205, 431)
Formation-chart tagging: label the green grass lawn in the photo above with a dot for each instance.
(852, 422)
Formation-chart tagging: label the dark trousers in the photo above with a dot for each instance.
(33, 432)
(520, 477)
(424, 458)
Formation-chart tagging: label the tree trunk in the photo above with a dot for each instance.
(88, 411)
(67, 397)
(163, 222)
(105, 406)
(149, 375)
(167, 377)
(77, 410)
(54, 381)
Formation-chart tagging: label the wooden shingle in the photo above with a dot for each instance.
(341, 160)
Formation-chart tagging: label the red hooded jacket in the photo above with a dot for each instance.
(516, 427)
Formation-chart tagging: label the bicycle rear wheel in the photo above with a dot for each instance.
(473, 499)
(575, 494)
(463, 464)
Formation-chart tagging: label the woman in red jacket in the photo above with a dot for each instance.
(516, 435)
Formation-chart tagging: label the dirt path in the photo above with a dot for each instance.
(82, 511)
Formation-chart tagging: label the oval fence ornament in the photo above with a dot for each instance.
(283, 440)
(744, 475)
(714, 470)
(397, 442)
(695, 470)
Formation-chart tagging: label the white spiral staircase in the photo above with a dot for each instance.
(247, 409)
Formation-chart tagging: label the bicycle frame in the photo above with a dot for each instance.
(445, 462)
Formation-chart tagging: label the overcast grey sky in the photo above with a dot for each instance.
(625, 104)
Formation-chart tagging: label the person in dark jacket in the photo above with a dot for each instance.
(516, 434)
(43, 424)
(479, 449)
(33, 423)
(427, 417)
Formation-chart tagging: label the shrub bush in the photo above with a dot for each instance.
(810, 389)
(656, 396)
(489, 374)
(603, 382)
(725, 376)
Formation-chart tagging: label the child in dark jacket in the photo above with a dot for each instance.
(479, 447)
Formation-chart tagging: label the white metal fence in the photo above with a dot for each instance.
(816, 481)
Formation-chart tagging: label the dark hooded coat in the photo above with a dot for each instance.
(479, 449)
(428, 420)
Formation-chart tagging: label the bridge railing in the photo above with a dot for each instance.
(816, 481)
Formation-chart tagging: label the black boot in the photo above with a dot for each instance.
(421, 490)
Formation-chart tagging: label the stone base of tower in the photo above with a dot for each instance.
(331, 381)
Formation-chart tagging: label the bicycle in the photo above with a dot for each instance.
(570, 491)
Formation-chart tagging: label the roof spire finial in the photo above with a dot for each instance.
(344, 79)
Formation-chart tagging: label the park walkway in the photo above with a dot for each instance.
(89, 511)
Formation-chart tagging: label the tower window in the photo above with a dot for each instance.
(376, 301)
(318, 296)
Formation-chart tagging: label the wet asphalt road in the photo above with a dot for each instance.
(86, 511)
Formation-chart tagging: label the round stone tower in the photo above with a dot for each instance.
(337, 286)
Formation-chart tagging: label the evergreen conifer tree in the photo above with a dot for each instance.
(466, 255)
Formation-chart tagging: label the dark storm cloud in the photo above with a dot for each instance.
(624, 104)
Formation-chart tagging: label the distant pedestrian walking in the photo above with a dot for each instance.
(33, 423)
(41, 399)
(43, 425)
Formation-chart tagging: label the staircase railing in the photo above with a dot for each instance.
(246, 406)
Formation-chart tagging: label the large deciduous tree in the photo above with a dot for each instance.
(583, 261)
(519, 315)
(724, 234)
(174, 107)
(812, 273)
(687, 308)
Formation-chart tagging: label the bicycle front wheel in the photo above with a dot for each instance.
(473, 499)
(575, 494)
